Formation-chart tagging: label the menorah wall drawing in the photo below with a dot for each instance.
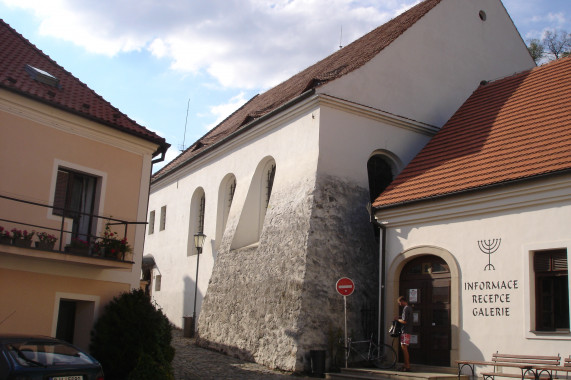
(488, 247)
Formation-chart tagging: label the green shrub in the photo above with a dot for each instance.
(129, 332)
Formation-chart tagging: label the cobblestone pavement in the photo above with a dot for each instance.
(193, 363)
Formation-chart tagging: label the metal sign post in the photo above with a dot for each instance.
(345, 287)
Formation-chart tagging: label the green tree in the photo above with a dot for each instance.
(131, 336)
(536, 49)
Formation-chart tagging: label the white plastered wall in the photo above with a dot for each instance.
(432, 68)
(291, 140)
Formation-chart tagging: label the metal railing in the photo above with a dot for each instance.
(90, 242)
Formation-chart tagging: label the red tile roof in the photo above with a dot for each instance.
(508, 130)
(334, 66)
(70, 95)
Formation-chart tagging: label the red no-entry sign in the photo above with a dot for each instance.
(345, 286)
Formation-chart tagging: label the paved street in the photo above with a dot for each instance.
(192, 362)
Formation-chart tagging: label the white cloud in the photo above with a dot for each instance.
(557, 19)
(241, 43)
(222, 111)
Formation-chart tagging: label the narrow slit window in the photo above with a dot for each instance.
(152, 222)
(201, 214)
(163, 222)
(270, 183)
(232, 189)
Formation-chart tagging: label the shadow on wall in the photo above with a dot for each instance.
(468, 351)
(188, 299)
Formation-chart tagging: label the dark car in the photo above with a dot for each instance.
(45, 358)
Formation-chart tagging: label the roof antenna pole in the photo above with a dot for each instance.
(186, 120)
(341, 38)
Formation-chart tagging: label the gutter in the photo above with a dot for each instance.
(238, 132)
(162, 150)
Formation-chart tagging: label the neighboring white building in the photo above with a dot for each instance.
(478, 225)
(280, 187)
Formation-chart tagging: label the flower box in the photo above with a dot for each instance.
(23, 243)
(46, 241)
(45, 245)
(82, 251)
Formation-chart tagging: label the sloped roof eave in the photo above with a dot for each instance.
(467, 191)
(233, 135)
(160, 142)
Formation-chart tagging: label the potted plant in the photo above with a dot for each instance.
(46, 241)
(5, 237)
(78, 247)
(22, 238)
(111, 246)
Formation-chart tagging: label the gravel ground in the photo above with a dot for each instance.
(192, 362)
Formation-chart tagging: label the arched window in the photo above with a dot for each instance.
(380, 172)
(225, 198)
(258, 200)
(196, 221)
(380, 175)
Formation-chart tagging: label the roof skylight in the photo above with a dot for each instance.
(42, 76)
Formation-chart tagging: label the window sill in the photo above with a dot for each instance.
(246, 247)
(555, 335)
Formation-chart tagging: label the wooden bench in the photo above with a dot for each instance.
(566, 367)
(530, 366)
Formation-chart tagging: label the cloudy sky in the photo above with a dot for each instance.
(156, 59)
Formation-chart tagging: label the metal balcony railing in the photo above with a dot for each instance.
(111, 246)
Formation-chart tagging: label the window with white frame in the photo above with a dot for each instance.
(75, 197)
(551, 272)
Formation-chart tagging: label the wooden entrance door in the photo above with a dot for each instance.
(425, 282)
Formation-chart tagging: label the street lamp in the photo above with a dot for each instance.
(198, 243)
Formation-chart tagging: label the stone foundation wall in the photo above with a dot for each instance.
(252, 306)
(274, 302)
(341, 244)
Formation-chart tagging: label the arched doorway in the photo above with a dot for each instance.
(425, 282)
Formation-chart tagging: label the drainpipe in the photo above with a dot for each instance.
(382, 275)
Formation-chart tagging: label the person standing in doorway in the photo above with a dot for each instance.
(406, 320)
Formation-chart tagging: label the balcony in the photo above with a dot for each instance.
(58, 226)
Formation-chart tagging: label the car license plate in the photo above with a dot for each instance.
(67, 378)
